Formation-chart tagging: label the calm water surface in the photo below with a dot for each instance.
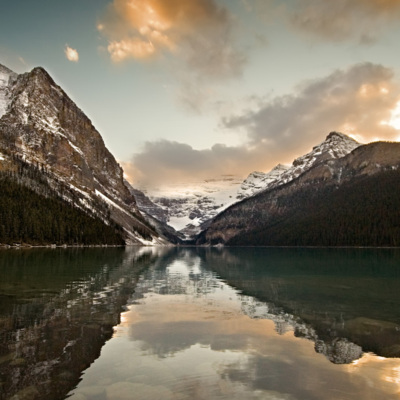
(170, 323)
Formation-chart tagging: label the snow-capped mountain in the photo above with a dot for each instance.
(187, 207)
(190, 210)
(346, 201)
(42, 126)
(336, 145)
(259, 181)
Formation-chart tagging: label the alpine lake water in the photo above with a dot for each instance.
(199, 323)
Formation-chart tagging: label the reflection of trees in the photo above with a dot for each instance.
(328, 294)
(65, 304)
(201, 275)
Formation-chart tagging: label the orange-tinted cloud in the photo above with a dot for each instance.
(356, 101)
(197, 32)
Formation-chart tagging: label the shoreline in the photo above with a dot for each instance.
(17, 246)
(53, 246)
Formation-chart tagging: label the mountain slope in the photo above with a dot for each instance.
(190, 210)
(353, 200)
(31, 212)
(41, 125)
(336, 145)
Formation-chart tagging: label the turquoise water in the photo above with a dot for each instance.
(196, 323)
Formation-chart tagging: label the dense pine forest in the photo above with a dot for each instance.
(32, 212)
(363, 212)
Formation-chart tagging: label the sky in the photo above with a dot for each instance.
(185, 90)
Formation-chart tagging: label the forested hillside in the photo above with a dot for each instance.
(32, 212)
(349, 201)
(364, 212)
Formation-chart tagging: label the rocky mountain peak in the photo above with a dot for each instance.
(44, 127)
(339, 143)
(337, 135)
(6, 77)
(6, 71)
(336, 145)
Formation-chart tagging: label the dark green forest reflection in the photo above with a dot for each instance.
(208, 323)
(169, 310)
(341, 293)
(57, 309)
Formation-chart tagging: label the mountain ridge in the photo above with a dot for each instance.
(191, 212)
(314, 208)
(45, 128)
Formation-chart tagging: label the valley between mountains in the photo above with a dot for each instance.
(59, 184)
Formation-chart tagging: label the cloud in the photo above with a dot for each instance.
(340, 20)
(167, 161)
(71, 54)
(195, 39)
(356, 101)
(198, 30)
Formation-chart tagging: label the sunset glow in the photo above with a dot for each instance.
(394, 120)
(185, 90)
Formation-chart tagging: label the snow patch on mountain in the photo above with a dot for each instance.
(259, 181)
(187, 207)
(6, 77)
(336, 145)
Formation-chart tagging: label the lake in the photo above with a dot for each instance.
(199, 323)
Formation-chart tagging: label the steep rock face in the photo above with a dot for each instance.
(146, 205)
(44, 127)
(6, 78)
(312, 204)
(155, 215)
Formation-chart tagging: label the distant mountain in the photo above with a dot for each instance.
(336, 145)
(155, 215)
(187, 207)
(190, 211)
(42, 127)
(259, 181)
(349, 201)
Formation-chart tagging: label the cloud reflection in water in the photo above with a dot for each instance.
(186, 336)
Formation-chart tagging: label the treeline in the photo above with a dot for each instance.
(31, 212)
(363, 212)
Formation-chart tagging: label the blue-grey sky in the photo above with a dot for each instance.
(188, 89)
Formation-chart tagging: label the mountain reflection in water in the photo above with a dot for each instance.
(200, 323)
(57, 309)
